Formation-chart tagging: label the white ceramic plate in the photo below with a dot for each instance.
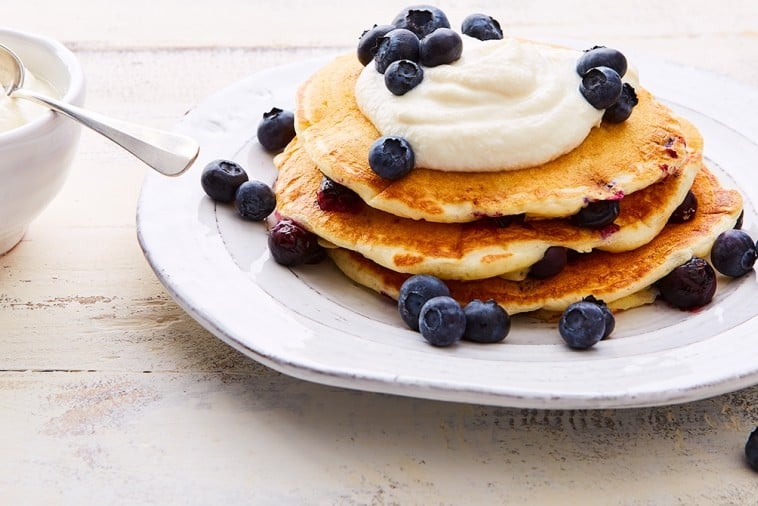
(314, 324)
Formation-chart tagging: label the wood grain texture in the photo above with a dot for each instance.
(110, 393)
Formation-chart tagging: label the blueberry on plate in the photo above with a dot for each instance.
(421, 19)
(622, 109)
(291, 244)
(482, 27)
(552, 262)
(391, 157)
(398, 44)
(402, 76)
(486, 322)
(367, 43)
(689, 286)
(255, 200)
(751, 450)
(276, 129)
(582, 325)
(685, 211)
(601, 87)
(442, 321)
(598, 214)
(414, 293)
(440, 47)
(610, 319)
(221, 178)
(601, 56)
(733, 253)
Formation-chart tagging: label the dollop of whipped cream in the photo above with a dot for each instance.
(17, 112)
(504, 105)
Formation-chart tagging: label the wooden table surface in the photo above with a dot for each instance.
(111, 394)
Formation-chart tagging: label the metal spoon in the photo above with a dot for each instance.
(167, 152)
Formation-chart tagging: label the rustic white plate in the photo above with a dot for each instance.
(314, 324)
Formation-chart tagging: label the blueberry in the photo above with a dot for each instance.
(367, 44)
(733, 253)
(414, 293)
(610, 319)
(751, 450)
(391, 157)
(402, 76)
(440, 47)
(582, 325)
(482, 27)
(553, 261)
(421, 19)
(601, 87)
(690, 285)
(622, 109)
(398, 44)
(255, 200)
(276, 129)
(221, 178)
(598, 214)
(686, 210)
(601, 56)
(486, 322)
(332, 196)
(442, 321)
(291, 244)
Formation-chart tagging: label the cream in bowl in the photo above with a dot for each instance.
(36, 144)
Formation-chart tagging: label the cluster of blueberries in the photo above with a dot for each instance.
(426, 306)
(601, 69)
(418, 37)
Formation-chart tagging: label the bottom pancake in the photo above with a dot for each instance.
(625, 277)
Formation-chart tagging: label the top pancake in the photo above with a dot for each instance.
(614, 160)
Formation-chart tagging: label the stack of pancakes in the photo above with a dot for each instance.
(482, 231)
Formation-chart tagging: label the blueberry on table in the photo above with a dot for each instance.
(402, 76)
(601, 87)
(334, 197)
(414, 293)
(276, 129)
(601, 56)
(552, 262)
(255, 200)
(686, 210)
(598, 214)
(391, 157)
(751, 450)
(442, 321)
(733, 253)
(368, 41)
(622, 109)
(486, 322)
(221, 178)
(690, 285)
(421, 19)
(582, 325)
(482, 27)
(291, 244)
(440, 47)
(398, 44)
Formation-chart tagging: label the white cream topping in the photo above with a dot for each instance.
(504, 105)
(17, 112)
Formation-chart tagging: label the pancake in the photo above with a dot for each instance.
(474, 250)
(614, 160)
(608, 276)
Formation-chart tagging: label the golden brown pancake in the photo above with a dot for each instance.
(614, 160)
(474, 250)
(607, 276)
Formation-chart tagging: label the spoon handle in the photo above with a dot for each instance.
(167, 152)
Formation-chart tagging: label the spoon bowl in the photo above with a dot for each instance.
(166, 152)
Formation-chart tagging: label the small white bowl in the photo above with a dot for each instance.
(35, 157)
